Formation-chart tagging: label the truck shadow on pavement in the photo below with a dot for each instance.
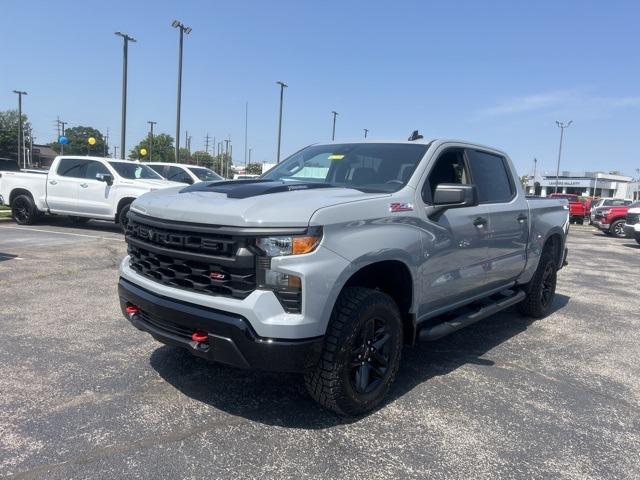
(281, 399)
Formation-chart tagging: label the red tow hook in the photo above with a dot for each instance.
(200, 336)
(131, 310)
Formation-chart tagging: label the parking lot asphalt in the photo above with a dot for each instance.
(85, 395)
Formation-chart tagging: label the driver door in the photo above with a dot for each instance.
(93, 196)
(454, 241)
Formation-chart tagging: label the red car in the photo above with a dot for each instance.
(611, 220)
(578, 207)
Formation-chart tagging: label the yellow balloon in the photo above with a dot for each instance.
(143, 151)
(92, 141)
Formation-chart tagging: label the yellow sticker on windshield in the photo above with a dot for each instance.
(336, 157)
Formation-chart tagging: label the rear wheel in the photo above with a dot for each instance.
(361, 353)
(24, 210)
(541, 289)
(617, 229)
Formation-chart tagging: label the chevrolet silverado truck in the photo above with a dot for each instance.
(182, 173)
(81, 188)
(578, 207)
(332, 261)
(611, 220)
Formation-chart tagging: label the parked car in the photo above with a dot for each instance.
(632, 222)
(331, 261)
(78, 187)
(183, 173)
(606, 202)
(611, 220)
(578, 206)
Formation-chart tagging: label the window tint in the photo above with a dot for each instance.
(176, 174)
(157, 168)
(489, 173)
(72, 167)
(94, 168)
(449, 168)
(205, 174)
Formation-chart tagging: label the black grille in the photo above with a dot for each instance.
(632, 218)
(200, 262)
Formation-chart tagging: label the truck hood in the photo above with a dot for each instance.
(245, 203)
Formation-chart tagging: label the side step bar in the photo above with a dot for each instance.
(443, 329)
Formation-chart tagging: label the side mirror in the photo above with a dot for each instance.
(105, 177)
(454, 195)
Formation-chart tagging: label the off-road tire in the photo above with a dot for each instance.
(330, 381)
(542, 287)
(24, 210)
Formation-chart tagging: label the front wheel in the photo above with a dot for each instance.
(541, 289)
(617, 229)
(123, 217)
(361, 353)
(24, 210)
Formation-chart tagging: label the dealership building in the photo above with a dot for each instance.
(599, 184)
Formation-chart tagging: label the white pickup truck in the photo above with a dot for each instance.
(79, 187)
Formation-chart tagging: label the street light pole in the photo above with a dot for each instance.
(246, 128)
(282, 87)
(183, 29)
(20, 94)
(125, 54)
(333, 132)
(562, 126)
(366, 131)
(151, 124)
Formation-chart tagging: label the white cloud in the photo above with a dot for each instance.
(566, 100)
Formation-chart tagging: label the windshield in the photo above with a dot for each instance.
(134, 171)
(372, 167)
(205, 174)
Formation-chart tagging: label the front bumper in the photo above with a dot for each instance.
(231, 339)
(600, 225)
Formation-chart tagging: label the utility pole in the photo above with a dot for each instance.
(20, 136)
(61, 124)
(333, 133)
(246, 128)
(206, 143)
(562, 126)
(106, 144)
(183, 29)
(366, 131)
(115, 151)
(249, 156)
(226, 155)
(282, 87)
(151, 124)
(125, 54)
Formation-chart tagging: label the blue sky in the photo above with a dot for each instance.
(499, 73)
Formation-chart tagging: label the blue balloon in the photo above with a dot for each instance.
(62, 140)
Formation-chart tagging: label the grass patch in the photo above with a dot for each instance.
(5, 212)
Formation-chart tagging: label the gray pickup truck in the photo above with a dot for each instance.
(336, 258)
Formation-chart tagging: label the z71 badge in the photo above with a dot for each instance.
(400, 207)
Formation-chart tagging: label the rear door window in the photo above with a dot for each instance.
(490, 175)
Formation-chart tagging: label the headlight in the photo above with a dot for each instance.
(292, 245)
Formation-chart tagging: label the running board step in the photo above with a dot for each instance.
(443, 329)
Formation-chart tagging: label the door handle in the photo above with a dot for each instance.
(521, 218)
(53, 182)
(480, 222)
(84, 185)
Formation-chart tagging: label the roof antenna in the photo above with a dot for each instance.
(415, 136)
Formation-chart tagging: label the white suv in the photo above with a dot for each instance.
(179, 172)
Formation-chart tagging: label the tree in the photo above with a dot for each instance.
(202, 158)
(9, 132)
(163, 149)
(78, 142)
(254, 169)
(185, 156)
